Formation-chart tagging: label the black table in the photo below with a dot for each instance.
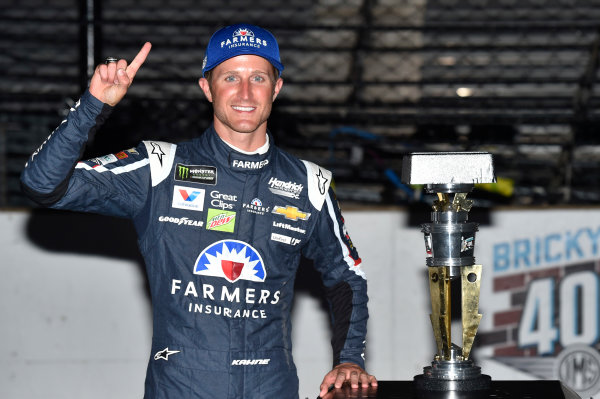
(499, 390)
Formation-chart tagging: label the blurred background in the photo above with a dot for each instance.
(366, 81)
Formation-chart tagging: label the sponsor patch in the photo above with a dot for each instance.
(190, 198)
(240, 164)
(215, 296)
(220, 220)
(243, 37)
(288, 189)
(256, 206)
(196, 173)
(105, 160)
(222, 201)
(285, 239)
(288, 226)
(291, 212)
(181, 221)
(232, 260)
(428, 246)
(121, 155)
(467, 243)
(348, 242)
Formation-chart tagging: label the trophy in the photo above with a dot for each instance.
(450, 244)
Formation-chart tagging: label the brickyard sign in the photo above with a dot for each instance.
(543, 307)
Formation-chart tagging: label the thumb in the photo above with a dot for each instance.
(326, 386)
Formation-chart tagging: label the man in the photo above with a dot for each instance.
(222, 221)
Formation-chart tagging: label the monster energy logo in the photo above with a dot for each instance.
(196, 173)
(183, 171)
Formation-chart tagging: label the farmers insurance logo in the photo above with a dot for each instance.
(243, 37)
(256, 206)
(196, 173)
(188, 198)
(232, 260)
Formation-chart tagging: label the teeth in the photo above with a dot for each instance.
(247, 109)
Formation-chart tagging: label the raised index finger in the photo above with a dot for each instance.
(139, 59)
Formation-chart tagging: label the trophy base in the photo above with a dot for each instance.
(477, 384)
(462, 376)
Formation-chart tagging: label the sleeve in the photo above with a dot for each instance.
(336, 258)
(115, 184)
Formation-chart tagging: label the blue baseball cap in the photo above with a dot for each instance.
(241, 39)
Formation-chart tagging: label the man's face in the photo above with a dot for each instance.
(242, 90)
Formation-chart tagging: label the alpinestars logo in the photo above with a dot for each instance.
(232, 260)
(156, 150)
(322, 182)
(164, 354)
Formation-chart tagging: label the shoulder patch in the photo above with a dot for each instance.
(318, 181)
(161, 156)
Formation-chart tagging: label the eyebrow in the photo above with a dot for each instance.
(233, 71)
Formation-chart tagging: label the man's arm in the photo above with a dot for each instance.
(48, 173)
(338, 262)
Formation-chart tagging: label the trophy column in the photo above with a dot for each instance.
(450, 244)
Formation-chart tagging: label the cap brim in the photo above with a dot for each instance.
(213, 64)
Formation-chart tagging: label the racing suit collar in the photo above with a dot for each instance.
(264, 148)
(235, 160)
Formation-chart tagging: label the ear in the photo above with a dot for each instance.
(277, 88)
(203, 83)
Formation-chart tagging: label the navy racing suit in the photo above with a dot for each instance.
(221, 233)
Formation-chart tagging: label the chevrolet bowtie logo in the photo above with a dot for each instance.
(291, 212)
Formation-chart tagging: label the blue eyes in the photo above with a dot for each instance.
(257, 78)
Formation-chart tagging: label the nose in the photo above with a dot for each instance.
(245, 91)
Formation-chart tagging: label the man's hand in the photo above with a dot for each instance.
(349, 372)
(111, 81)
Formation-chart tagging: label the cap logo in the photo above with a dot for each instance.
(243, 32)
(243, 37)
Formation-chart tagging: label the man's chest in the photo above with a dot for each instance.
(223, 223)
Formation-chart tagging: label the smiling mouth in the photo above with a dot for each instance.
(245, 109)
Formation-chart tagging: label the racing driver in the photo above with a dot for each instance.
(222, 221)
